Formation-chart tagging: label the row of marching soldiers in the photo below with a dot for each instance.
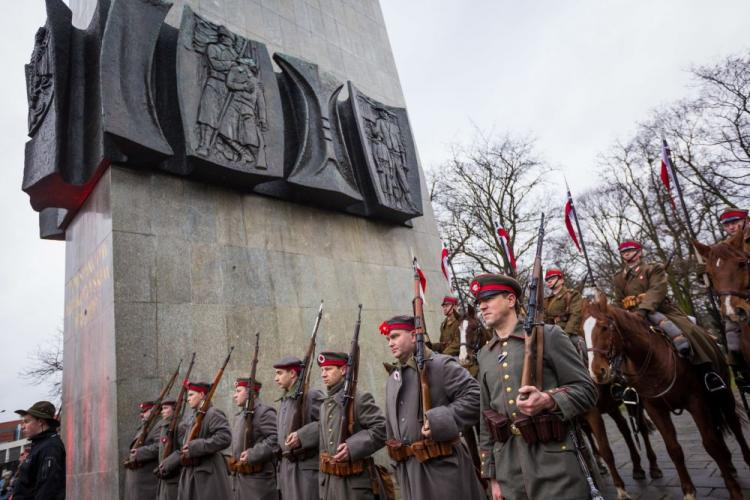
(428, 438)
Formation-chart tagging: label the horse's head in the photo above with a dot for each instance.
(602, 339)
(728, 265)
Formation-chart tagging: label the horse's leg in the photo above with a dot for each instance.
(586, 428)
(635, 457)
(713, 442)
(653, 467)
(663, 422)
(595, 421)
(734, 423)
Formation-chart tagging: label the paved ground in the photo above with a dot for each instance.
(702, 468)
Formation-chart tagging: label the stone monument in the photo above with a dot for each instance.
(216, 169)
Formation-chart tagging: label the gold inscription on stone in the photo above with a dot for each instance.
(83, 289)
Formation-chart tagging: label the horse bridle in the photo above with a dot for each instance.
(615, 361)
(744, 295)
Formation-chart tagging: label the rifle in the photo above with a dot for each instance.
(249, 409)
(179, 408)
(350, 383)
(420, 330)
(146, 427)
(204, 405)
(534, 322)
(299, 418)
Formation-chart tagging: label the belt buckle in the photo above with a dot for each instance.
(514, 430)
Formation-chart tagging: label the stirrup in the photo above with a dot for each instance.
(713, 382)
(630, 397)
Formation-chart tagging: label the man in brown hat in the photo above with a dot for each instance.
(521, 469)
(563, 307)
(204, 470)
(253, 468)
(431, 461)
(140, 482)
(167, 487)
(298, 469)
(42, 474)
(450, 339)
(347, 471)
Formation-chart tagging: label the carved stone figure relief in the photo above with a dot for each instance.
(39, 84)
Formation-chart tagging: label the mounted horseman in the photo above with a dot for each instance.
(641, 287)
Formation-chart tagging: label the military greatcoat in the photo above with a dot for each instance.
(258, 485)
(167, 489)
(367, 438)
(450, 336)
(564, 309)
(299, 479)
(542, 470)
(455, 406)
(141, 482)
(650, 281)
(210, 478)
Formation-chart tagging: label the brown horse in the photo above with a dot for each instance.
(728, 266)
(624, 341)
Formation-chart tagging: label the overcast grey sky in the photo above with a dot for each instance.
(576, 75)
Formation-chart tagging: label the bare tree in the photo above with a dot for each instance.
(46, 365)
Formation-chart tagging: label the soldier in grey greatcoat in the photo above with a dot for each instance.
(298, 468)
(204, 472)
(521, 470)
(257, 484)
(140, 481)
(167, 488)
(455, 405)
(368, 434)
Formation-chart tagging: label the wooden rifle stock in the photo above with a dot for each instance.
(251, 398)
(299, 418)
(140, 439)
(204, 405)
(350, 383)
(420, 332)
(531, 373)
(179, 408)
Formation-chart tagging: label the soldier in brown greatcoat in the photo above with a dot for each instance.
(298, 469)
(450, 337)
(355, 451)
(204, 472)
(642, 287)
(140, 481)
(563, 307)
(455, 405)
(254, 477)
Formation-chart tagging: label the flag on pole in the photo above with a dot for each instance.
(502, 234)
(445, 266)
(570, 214)
(667, 172)
(422, 279)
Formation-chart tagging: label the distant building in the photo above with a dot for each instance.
(11, 443)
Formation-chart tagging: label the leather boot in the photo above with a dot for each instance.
(678, 338)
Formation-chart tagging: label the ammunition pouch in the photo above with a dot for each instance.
(423, 450)
(190, 461)
(498, 425)
(340, 469)
(238, 467)
(542, 428)
(299, 454)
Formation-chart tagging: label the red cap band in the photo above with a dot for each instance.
(197, 388)
(386, 328)
(146, 406)
(732, 216)
(476, 288)
(553, 272)
(450, 300)
(245, 383)
(324, 361)
(629, 245)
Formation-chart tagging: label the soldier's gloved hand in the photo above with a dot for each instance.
(243, 456)
(629, 302)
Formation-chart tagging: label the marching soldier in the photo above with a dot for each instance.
(41, 474)
(563, 307)
(347, 470)
(254, 469)
(167, 487)
(431, 461)
(450, 339)
(204, 471)
(734, 220)
(642, 287)
(547, 467)
(298, 469)
(140, 482)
